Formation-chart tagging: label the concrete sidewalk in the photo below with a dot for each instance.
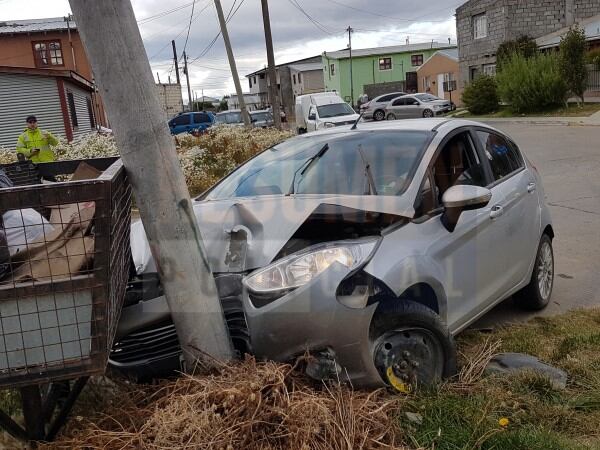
(593, 120)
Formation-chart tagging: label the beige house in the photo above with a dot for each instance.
(439, 76)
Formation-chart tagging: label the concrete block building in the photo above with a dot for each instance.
(482, 25)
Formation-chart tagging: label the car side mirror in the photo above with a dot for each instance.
(462, 198)
(312, 116)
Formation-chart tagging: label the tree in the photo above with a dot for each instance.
(572, 60)
(223, 105)
(480, 95)
(523, 45)
(531, 84)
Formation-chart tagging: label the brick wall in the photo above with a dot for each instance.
(509, 19)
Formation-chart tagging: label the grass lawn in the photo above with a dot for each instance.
(270, 406)
(571, 111)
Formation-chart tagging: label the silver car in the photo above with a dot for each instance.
(375, 109)
(415, 106)
(262, 119)
(369, 247)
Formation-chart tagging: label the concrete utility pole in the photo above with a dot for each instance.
(273, 92)
(350, 30)
(176, 62)
(187, 77)
(148, 152)
(234, 72)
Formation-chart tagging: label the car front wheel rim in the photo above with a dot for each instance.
(545, 271)
(406, 357)
(428, 113)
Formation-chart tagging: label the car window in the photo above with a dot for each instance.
(201, 118)
(391, 155)
(411, 101)
(387, 98)
(457, 164)
(399, 102)
(181, 120)
(503, 157)
(334, 110)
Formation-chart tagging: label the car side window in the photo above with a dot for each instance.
(201, 118)
(181, 120)
(399, 102)
(387, 98)
(411, 101)
(457, 164)
(504, 158)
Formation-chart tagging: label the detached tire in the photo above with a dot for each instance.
(411, 345)
(536, 295)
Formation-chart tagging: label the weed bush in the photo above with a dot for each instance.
(532, 84)
(481, 95)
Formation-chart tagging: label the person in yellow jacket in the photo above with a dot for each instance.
(34, 144)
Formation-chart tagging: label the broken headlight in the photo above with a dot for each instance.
(300, 268)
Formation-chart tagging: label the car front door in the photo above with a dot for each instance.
(519, 208)
(468, 260)
(395, 108)
(412, 110)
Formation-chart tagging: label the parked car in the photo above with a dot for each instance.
(416, 105)
(261, 119)
(375, 109)
(191, 122)
(322, 110)
(369, 247)
(230, 117)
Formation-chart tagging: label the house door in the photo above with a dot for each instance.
(440, 85)
(412, 84)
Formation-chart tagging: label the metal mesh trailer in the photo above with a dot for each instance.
(64, 285)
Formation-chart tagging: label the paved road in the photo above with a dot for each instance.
(568, 157)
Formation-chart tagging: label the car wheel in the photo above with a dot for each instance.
(379, 115)
(391, 116)
(412, 346)
(428, 113)
(536, 295)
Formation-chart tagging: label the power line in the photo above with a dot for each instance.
(314, 21)
(162, 14)
(189, 26)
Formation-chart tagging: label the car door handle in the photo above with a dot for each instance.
(497, 211)
(531, 187)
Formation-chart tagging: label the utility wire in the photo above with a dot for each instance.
(314, 21)
(162, 14)
(189, 26)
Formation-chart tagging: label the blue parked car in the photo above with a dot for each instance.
(191, 122)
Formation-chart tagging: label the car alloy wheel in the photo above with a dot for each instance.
(391, 116)
(409, 356)
(428, 113)
(545, 270)
(379, 115)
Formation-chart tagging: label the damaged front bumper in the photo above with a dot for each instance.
(312, 319)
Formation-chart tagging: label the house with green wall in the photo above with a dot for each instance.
(378, 70)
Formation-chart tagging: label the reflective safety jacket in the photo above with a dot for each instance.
(32, 139)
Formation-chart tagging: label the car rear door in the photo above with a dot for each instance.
(518, 208)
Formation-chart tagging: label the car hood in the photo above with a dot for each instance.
(242, 234)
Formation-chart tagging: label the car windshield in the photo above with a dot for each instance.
(261, 117)
(426, 97)
(230, 117)
(392, 156)
(334, 110)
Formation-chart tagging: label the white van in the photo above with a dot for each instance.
(322, 110)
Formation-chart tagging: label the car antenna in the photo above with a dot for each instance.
(353, 127)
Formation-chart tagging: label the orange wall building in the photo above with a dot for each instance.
(52, 44)
(439, 73)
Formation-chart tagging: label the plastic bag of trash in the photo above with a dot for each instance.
(22, 227)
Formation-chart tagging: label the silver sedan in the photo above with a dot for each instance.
(415, 106)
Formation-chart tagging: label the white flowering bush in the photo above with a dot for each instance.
(204, 159)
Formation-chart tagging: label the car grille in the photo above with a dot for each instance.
(160, 341)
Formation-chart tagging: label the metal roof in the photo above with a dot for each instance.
(591, 26)
(378, 51)
(72, 76)
(35, 25)
(297, 62)
(306, 67)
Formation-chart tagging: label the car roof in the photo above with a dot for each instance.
(429, 124)
(390, 93)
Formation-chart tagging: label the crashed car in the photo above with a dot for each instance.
(369, 247)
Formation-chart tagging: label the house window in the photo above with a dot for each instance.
(47, 53)
(489, 69)
(72, 110)
(385, 63)
(473, 72)
(299, 79)
(479, 26)
(332, 69)
(90, 110)
(294, 78)
(262, 76)
(416, 60)
(250, 81)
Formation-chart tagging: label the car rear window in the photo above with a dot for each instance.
(392, 157)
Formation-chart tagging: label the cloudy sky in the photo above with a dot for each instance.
(301, 28)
